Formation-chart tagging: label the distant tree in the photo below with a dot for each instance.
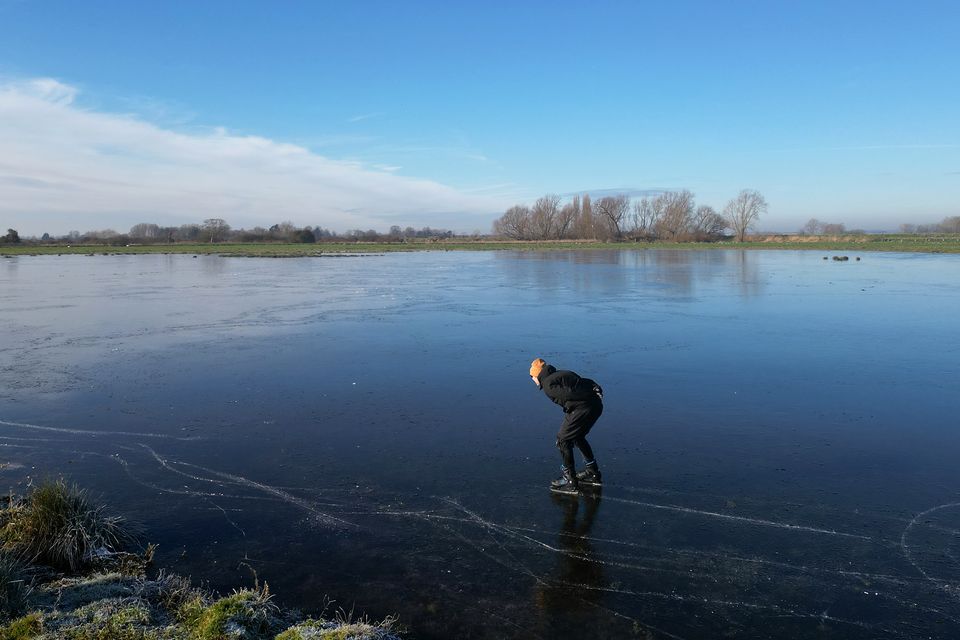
(215, 228)
(103, 235)
(145, 230)
(644, 218)
(950, 225)
(284, 231)
(566, 219)
(813, 227)
(612, 211)
(45, 237)
(673, 211)
(305, 236)
(543, 217)
(73, 236)
(834, 228)
(707, 224)
(584, 226)
(12, 237)
(188, 232)
(514, 224)
(743, 212)
(908, 228)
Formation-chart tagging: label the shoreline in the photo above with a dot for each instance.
(867, 243)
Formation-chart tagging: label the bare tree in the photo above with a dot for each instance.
(566, 219)
(908, 228)
(644, 218)
(950, 225)
(145, 230)
(612, 210)
(706, 223)
(515, 223)
(813, 227)
(215, 228)
(834, 228)
(674, 212)
(543, 217)
(743, 212)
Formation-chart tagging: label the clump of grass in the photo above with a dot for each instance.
(15, 586)
(25, 628)
(57, 524)
(333, 630)
(170, 592)
(343, 627)
(112, 619)
(248, 613)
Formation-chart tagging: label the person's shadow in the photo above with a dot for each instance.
(568, 594)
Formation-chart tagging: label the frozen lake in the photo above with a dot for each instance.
(780, 438)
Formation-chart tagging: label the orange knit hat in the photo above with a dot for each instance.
(537, 366)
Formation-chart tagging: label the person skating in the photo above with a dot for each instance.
(582, 402)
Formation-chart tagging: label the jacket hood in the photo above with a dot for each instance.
(546, 371)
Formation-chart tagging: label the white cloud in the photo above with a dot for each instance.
(49, 90)
(67, 166)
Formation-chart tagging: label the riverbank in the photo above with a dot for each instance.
(62, 577)
(943, 243)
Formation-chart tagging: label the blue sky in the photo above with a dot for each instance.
(366, 114)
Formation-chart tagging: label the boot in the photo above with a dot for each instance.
(567, 483)
(591, 475)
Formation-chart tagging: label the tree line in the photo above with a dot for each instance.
(215, 230)
(949, 224)
(672, 215)
(815, 227)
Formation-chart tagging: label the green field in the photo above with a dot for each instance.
(944, 243)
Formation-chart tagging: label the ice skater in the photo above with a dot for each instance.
(582, 402)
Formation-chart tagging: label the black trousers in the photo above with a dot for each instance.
(574, 429)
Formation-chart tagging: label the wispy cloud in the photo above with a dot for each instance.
(633, 192)
(59, 161)
(364, 116)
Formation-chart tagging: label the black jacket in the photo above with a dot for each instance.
(567, 389)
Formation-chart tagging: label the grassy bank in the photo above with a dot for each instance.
(946, 243)
(63, 576)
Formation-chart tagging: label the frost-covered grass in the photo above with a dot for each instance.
(169, 608)
(80, 585)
